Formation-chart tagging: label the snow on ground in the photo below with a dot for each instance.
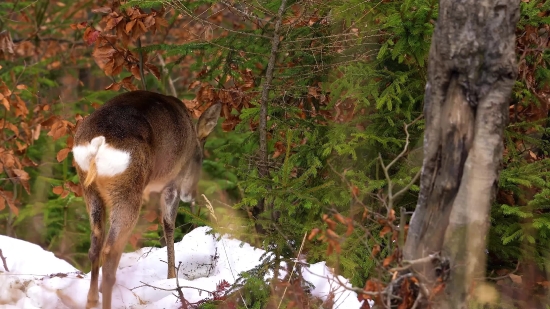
(37, 279)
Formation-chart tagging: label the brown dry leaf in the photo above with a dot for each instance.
(406, 295)
(340, 218)
(331, 224)
(312, 91)
(57, 190)
(2, 203)
(515, 278)
(6, 45)
(102, 10)
(160, 22)
(113, 86)
(391, 217)
(438, 289)
(79, 26)
(113, 21)
(50, 121)
(385, 230)
(62, 154)
(21, 174)
(8, 159)
(279, 149)
(349, 230)
(355, 190)
(387, 261)
(150, 216)
(135, 71)
(332, 234)
(329, 249)
(90, 36)
(313, 233)
(28, 162)
(153, 227)
(10, 126)
(134, 238)
(129, 26)
(75, 188)
(8, 197)
(20, 107)
(5, 102)
(70, 142)
(58, 130)
(375, 250)
(154, 70)
(150, 21)
(127, 83)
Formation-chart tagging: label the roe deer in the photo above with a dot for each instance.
(138, 142)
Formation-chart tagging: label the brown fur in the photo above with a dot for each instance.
(165, 156)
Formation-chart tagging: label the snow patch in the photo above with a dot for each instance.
(37, 279)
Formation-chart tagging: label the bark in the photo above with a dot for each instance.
(471, 71)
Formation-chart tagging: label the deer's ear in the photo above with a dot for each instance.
(208, 120)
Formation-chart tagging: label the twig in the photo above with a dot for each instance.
(490, 278)
(386, 168)
(4, 261)
(417, 301)
(390, 292)
(184, 303)
(170, 81)
(144, 284)
(293, 269)
(211, 210)
(411, 263)
(141, 73)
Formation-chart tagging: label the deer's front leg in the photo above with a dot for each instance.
(169, 207)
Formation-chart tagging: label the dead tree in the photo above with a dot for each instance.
(471, 71)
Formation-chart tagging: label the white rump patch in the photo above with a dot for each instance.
(109, 161)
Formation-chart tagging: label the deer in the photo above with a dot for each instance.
(137, 143)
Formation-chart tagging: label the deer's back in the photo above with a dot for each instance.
(144, 124)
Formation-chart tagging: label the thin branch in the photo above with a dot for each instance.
(293, 269)
(408, 186)
(173, 91)
(141, 73)
(4, 261)
(493, 278)
(144, 284)
(408, 264)
(263, 169)
(417, 301)
(386, 168)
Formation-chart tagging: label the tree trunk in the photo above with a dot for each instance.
(471, 71)
(263, 164)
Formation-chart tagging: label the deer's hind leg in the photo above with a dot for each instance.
(169, 207)
(125, 198)
(96, 211)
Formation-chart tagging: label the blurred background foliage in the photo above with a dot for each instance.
(347, 76)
